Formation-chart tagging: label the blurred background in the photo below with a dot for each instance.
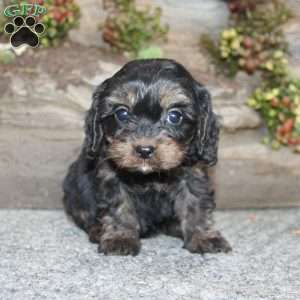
(246, 52)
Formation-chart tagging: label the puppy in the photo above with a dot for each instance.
(150, 136)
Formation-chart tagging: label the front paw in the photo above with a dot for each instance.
(119, 243)
(94, 233)
(208, 242)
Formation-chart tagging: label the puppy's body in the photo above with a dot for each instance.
(150, 135)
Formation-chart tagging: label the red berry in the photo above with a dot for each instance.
(251, 65)
(58, 2)
(288, 126)
(57, 15)
(275, 102)
(233, 7)
(286, 101)
(248, 42)
(292, 141)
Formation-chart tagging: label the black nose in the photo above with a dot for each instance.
(144, 151)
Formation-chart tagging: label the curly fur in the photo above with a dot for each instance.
(118, 197)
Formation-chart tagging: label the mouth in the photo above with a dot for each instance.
(145, 167)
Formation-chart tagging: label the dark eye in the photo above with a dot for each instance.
(122, 114)
(174, 117)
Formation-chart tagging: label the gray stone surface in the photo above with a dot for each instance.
(237, 117)
(292, 32)
(88, 33)
(43, 256)
(294, 5)
(33, 163)
(55, 107)
(232, 91)
(250, 174)
(189, 19)
(48, 107)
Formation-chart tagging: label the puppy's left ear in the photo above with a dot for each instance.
(207, 135)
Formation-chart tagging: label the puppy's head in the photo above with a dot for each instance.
(152, 116)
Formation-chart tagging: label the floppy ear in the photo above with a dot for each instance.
(207, 135)
(93, 125)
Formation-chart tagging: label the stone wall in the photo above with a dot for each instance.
(41, 134)
(42, 112)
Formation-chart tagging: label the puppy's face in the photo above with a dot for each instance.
(149, 126)
(148, 117)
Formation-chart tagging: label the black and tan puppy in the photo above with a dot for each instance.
(150, 137)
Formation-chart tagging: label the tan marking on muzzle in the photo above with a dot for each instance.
(168, 154)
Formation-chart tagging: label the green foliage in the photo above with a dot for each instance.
(150, 52)
(129, 29)
(3, 21)
(254, 42)
(61, 16)
(280, 108)
(6, 57)
(258, 16)
(208, 43)
(250, 41)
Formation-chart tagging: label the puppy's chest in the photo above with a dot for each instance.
(153, 201)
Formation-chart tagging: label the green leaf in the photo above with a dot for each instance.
(150, 52)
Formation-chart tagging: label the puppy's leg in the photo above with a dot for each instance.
(105, 212)
(120, 232)
(194, 206)
(172, 228)
(118, 228)
(79, 197)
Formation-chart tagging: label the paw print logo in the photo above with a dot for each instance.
(24, 31)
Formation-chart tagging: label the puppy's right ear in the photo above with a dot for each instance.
(93, 124)
(208, 129)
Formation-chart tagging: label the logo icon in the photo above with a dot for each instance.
(24, 31)
(24, 28)
(24, 9)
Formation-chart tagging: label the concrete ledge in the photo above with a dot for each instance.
(43, 256)
(33, 163)
(250, 174)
